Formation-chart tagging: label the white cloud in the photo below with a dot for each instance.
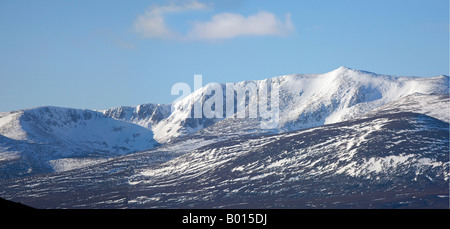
(152, 23)
(229, 25)
(222, 26)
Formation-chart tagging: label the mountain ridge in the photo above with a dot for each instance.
(49, 138)
(345, 139)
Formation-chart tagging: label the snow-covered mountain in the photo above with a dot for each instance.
(387, 160)
(305, 101)
(48, 139)
(345, 139)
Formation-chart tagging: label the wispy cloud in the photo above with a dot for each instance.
(125, 44)
(229, 25)
(152, 24)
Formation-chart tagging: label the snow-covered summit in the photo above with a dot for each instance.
(308, 100)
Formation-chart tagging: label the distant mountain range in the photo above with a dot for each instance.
(344, 139)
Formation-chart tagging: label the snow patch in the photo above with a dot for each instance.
(66, 164)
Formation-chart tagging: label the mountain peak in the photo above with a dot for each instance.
(342, 69)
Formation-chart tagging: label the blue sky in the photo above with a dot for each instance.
(101, 53)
